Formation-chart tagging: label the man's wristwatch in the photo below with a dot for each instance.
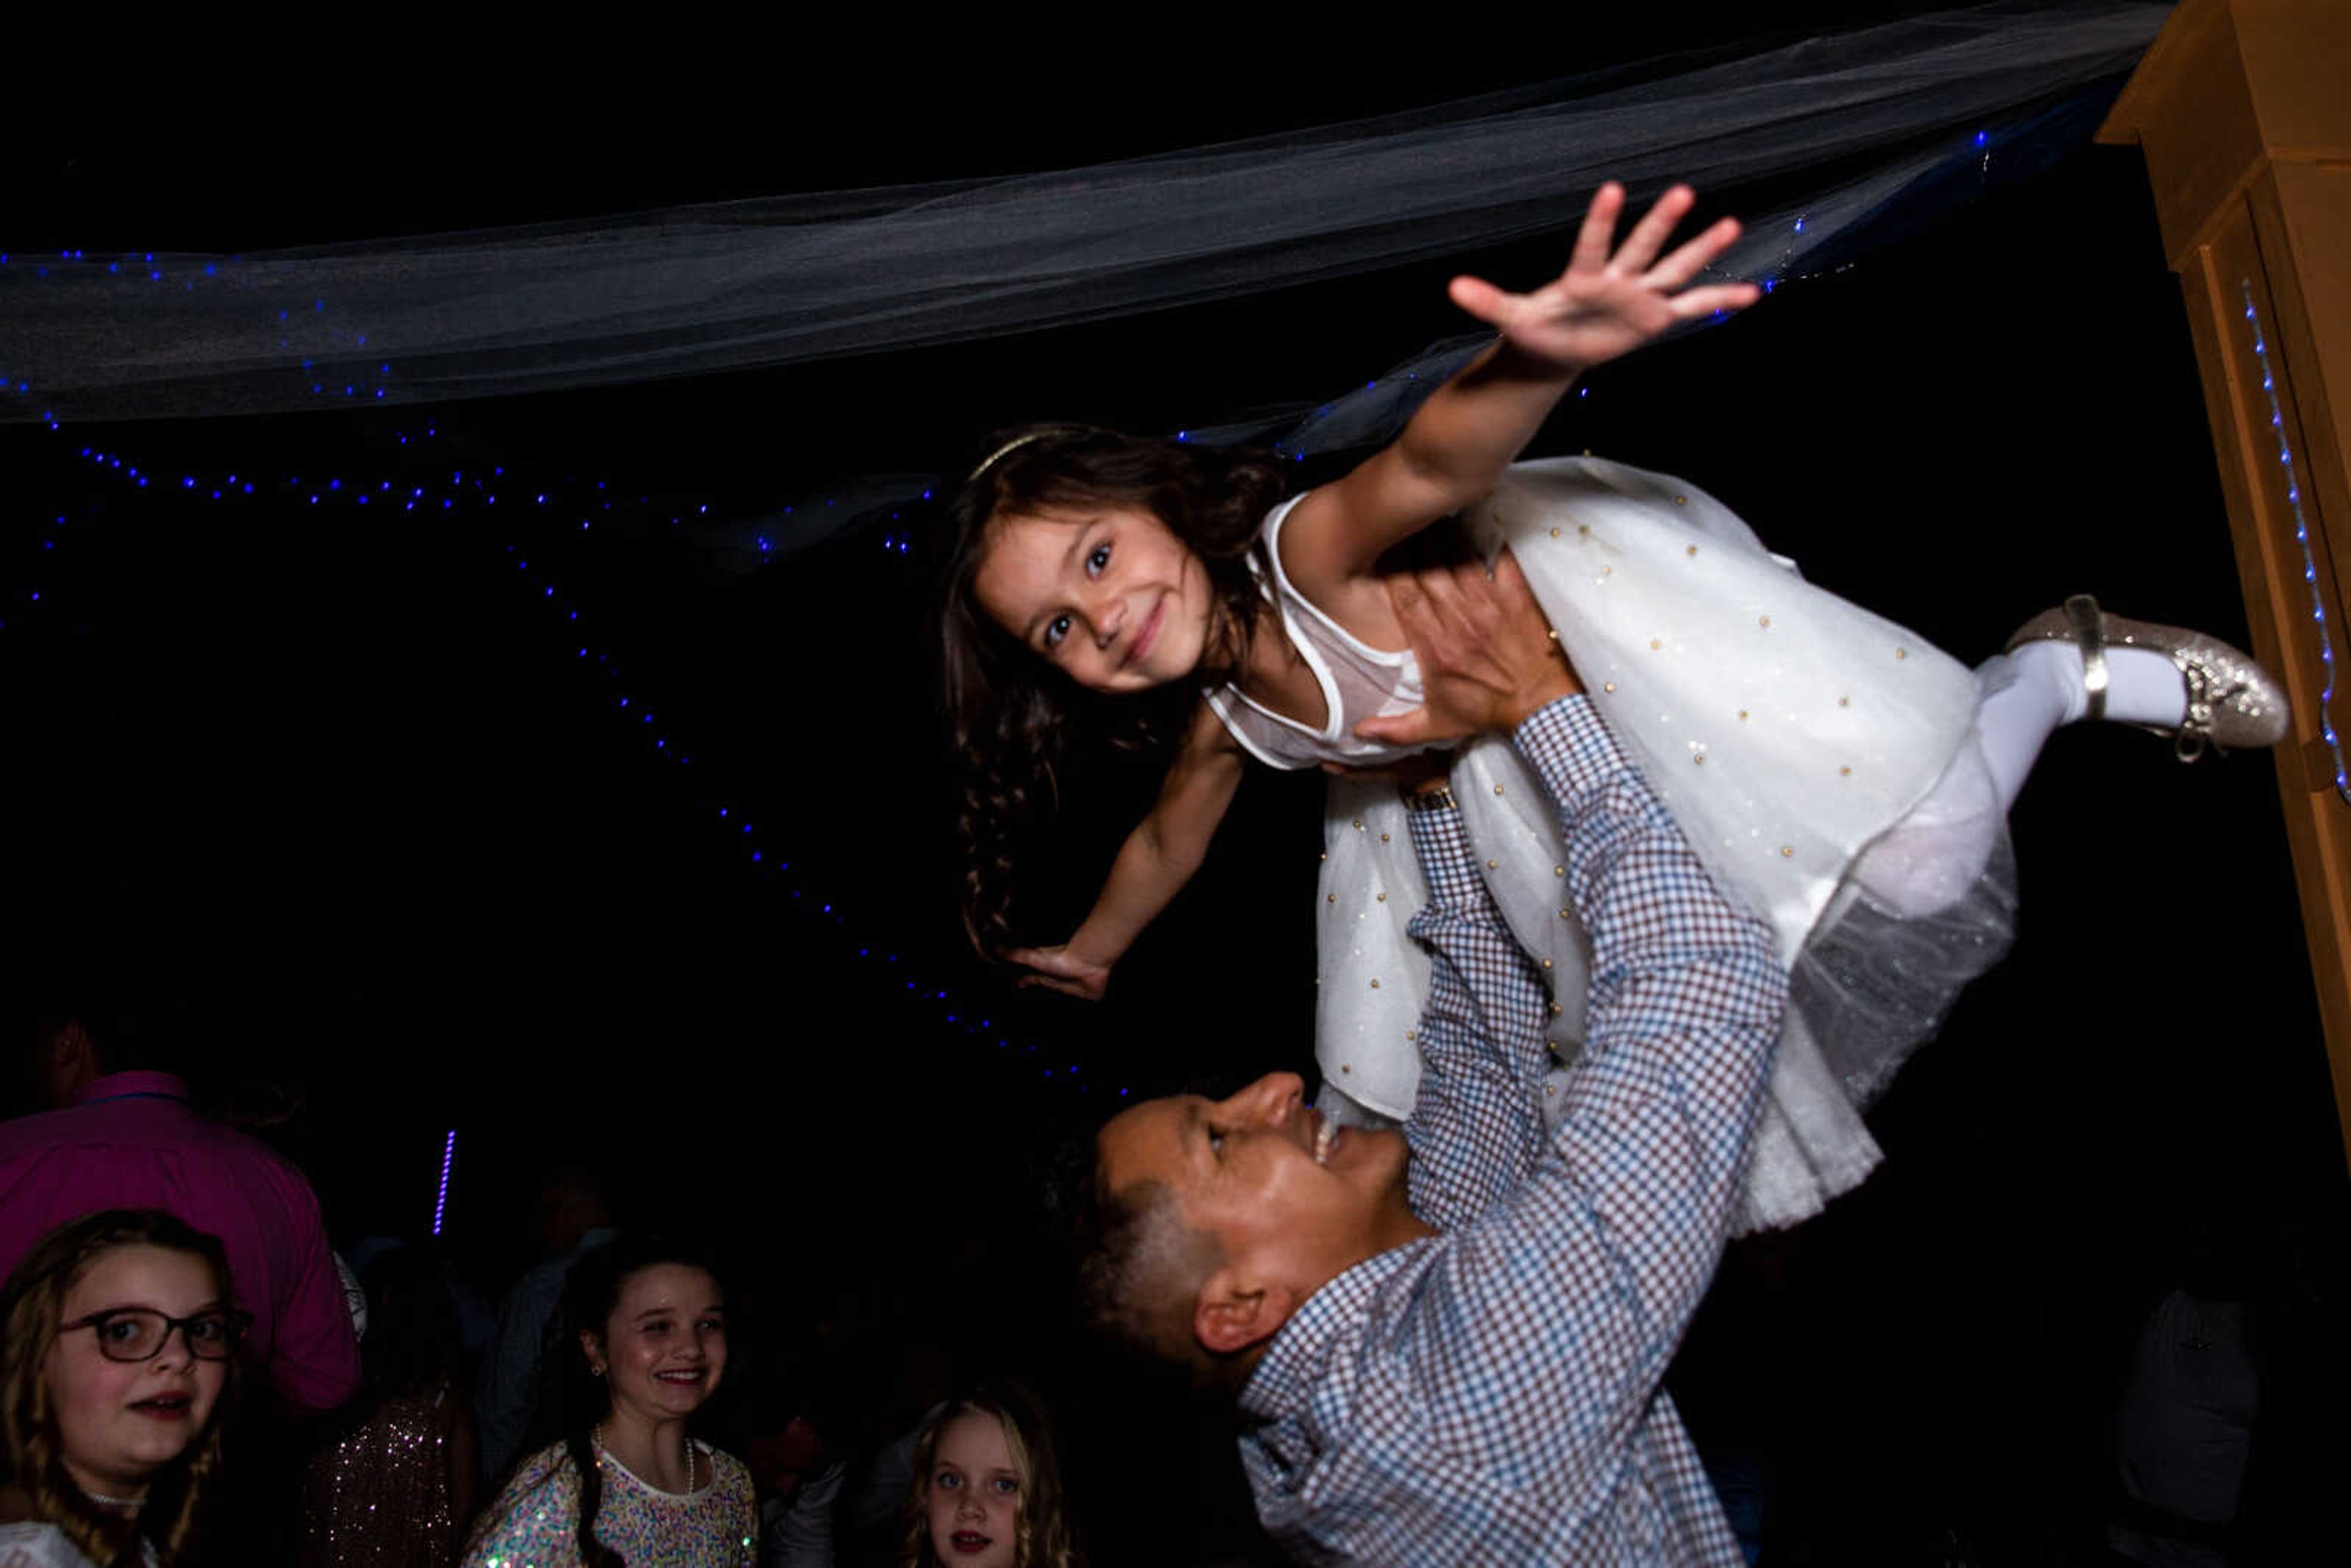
(1440, 798)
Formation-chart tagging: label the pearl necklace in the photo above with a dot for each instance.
(596, 1436)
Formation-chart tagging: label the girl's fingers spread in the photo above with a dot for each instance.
(1599, 228)
(1724, 296)
(1648, 236)
(1692, 257)
(1478, 297)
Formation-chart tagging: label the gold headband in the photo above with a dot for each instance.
(1014, 445)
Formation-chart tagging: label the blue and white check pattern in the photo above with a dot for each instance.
(1491, 1394)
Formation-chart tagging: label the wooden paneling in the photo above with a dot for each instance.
(2242, 108)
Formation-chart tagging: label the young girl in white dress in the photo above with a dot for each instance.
(1846, 778)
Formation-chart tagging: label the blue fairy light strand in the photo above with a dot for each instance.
(448, 1158)
(895, 540)
(2300, 538)
(435, 498)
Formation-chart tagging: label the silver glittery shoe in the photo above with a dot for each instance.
(2231, 700)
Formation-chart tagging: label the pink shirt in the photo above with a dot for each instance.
(130, 1140)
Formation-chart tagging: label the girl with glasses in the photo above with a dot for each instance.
(118, 1343)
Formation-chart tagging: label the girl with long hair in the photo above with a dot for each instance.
(118, 1346)
(1846, 779)
(640, 1349)
(987, 1492)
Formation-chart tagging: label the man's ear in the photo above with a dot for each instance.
(1234, 1312)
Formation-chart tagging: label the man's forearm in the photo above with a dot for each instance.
(1651, 909)
(1599, 1239)
(1686, 1001)
(1475, 1124)
(1485, 993)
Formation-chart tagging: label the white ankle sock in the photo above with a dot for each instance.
(2142, 687)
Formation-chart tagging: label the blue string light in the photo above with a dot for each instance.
(336, 368)
(2300, 538)
(448, 1158)
(549, 594)
(333, 370)
(323, 383)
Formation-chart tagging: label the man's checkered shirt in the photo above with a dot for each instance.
(1491, 1394)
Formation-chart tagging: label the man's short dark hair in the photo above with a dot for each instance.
(1139, 1270)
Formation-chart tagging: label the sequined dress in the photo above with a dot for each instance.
(34, 1543)
(1821, 759)
(533, 1523)
(378, 1495)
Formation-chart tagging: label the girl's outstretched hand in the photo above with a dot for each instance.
(1604, 306)
(1058, 969)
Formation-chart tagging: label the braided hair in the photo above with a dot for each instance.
(571, 1399)
(32, 1448)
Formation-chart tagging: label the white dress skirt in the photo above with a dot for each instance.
(1821, 760)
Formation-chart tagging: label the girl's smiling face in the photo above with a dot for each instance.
(119, 1422)
(663, 1348)
(1108, 594)
(974, 1495)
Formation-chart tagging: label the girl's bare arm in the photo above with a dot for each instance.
(1157, 859)
(1605, 305)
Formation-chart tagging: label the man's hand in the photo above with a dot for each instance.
(1488, 657)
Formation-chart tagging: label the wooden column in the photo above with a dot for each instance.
(2242, 108)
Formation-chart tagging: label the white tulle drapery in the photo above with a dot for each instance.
(743, 284)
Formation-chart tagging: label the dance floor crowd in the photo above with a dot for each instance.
(195, 1375)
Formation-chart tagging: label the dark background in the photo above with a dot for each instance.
(329, 794)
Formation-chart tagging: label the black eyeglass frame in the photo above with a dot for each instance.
(236, 1322)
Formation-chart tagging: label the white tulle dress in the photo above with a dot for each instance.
(1821, 760)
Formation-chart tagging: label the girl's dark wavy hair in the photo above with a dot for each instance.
(1011, 715)
(570, 1398)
